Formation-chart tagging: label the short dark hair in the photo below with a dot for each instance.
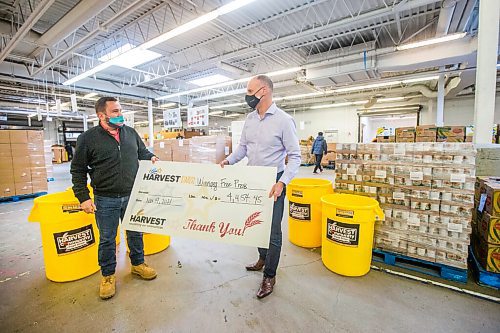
(100, 105)
(320, 133)
(266, 80)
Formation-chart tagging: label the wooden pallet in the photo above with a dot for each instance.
(483, 277)
(15, 198)
(421, 266)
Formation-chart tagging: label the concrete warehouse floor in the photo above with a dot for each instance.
(212, 292)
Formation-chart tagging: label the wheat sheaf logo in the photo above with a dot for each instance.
(140, 213)
(252, 220)
(155, 171)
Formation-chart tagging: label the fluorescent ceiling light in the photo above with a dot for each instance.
(89, 95)
(284, 71)
(130, 54)
(388, 108)
(212, 79)
(432, 41)
(337, 105)
(214, 113)
(226, 105)
(317, 93)
(167, 105)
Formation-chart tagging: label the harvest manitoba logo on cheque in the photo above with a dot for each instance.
(223, 228)
(141, 219)
(156, 174)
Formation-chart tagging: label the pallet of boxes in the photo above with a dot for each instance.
(22, 163)
(305, 151)
(328, 160)
(198, 149)
(486, 238)
(426, 191)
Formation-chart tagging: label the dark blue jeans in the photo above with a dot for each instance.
(272, 255)
(108, 214)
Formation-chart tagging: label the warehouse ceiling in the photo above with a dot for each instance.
(153, 49)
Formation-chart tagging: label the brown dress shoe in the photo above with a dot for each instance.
(257, 266)
(266, 287)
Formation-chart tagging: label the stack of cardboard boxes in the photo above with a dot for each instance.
(495, 133)
(305, 151)
(405, 134)
(486, 240)
(22, 164)
(330, 156)
(199, 149)
(425, 189)
(386, 134)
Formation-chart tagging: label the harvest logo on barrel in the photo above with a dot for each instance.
(71, 208)
(223, 228)
(300, 211)
(74, 240)
(342, 233)
(347, 214)
(141, 219)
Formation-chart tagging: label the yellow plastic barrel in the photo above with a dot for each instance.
(348, 224)
(304, 210)
(69, 237)
(154, 243)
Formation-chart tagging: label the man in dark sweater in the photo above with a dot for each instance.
(318, 148)
(110, 154)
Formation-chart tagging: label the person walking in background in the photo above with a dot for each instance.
(110, 154)
(318, 148)
(269, 134)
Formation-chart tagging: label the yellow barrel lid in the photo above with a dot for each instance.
(310, 182)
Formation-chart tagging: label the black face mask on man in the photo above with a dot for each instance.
(253, 100)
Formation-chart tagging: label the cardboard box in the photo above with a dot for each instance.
(405, 139)
(22, 175)
(40, 186)
(425, 139)
(35, 148)
(5, 151)
(6, 175)
(488, 255)
(37, 161)
(24, 188)
(6, 163)
(4, 136)
(59, 154)
(38, 174)
(7, 189)
(489, 228)
(21, 162)
(405, 132)
(35, 137)
(492, 205)
(386, 131)
(19, 150)
(450, 139)
(451, 131)
(18, 136)
(426, 130)
(385, 139)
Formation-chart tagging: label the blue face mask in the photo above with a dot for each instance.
(115, 122)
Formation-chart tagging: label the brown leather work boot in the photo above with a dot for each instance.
(144, 271)
(257, 266)
(107, 287)
(266, 287)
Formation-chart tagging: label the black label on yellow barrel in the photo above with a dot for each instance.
(298, 194)
(347, 214)
(74, 240)
(71, 208)
(342, 233)
(300, 211)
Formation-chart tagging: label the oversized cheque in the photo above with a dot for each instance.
(203, 201)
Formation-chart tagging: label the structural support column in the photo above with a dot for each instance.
(85, 122)
(151, 123)
(440, 102)
(487, 51)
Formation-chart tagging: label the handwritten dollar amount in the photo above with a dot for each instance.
(243, 198)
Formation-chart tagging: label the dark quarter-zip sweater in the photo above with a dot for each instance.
(112, 166)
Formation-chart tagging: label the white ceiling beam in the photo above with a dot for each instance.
(71, 21)
(26, 27)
